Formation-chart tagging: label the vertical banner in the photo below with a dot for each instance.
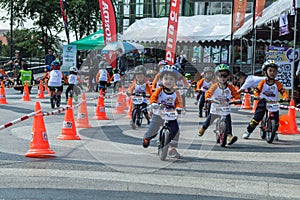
(259, 7)
(292, 10)
(109, 25)
(238, 15)
(283, 24)
(63, 8)
(172, 31)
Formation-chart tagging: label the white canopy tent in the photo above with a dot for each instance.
(190, 29)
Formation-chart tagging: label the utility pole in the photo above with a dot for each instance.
(11, 29)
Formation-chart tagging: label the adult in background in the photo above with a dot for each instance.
(50, 57)
(25, 75)
(122, 61)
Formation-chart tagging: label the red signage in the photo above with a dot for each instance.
(172, 31)
(238, 15)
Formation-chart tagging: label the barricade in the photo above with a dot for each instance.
(287, 123)
(40, 94)
(2, 94)
(82, 116)
(26, 96)
(69, 128)
(100, 109)
(39, 145)
(246, 102)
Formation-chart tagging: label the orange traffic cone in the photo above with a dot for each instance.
(246, 102)
(255, 102)
(100, 109)
(82, 117)
(39, 146)
(40, 94)
(2, 94)
(69, 128)
(121, 101)
(129, 113)
(287, 123)
(26, 96)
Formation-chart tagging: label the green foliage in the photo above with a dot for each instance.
(83, 19)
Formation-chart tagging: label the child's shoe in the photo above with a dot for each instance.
(201, 131)
(231, 139)
(173, 153)
(146, 142)
(246, 135)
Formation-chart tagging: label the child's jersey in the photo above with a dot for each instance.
(116, 77)
(216, 93)
(103, 75)
(143, 88)
(171, 100)
(55, 78)
(72, 79)
(270, 92)
(203, 85)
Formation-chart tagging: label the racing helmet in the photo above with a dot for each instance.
(267, 64)
(140, 69)
(208, 69)
(171, 69)
(48, 68)
(222, 67)
(73, 69)
(55, 65)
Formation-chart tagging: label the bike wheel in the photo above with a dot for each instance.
(271, 131)
(134, 117)
(57, 101)
(52, 101)
(164, 140)
(223, 134)
(139, 118)
(262, 130)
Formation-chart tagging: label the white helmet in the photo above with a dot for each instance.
(73, 69)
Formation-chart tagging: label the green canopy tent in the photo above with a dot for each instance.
(90, 42)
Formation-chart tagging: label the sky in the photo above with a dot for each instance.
(29, 24)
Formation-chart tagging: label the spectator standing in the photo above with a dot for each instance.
(122, 61)
(50, 57)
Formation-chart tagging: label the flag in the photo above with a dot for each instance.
(63, 8)
(172, 31)
(292, 10)
(109, 25)
(283, 24)
(238, 14)
(259, 7)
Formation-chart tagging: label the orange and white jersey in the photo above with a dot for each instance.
(221, 95)
(172, 100)
(203, 85)
(270, 92)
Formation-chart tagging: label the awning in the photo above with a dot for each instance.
(190, 29)
(91, 42)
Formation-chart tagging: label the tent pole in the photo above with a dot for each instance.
(294, 50)
(271, 34)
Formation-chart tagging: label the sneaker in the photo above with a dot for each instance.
(231, 139)
(276, 137)
(246, 135)
(201, 131)
(196, 102)
(146, 142)
(173, 153)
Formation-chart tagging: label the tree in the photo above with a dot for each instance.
(83, 17)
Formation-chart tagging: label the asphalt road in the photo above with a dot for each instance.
(109, 161)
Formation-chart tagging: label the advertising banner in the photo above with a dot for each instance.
(63, 8)
(172, 31)
(238, 15)
(69, 57)
(109, 25)
(284, 57)
(259, 7)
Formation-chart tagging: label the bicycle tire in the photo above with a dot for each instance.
(207, 109)
(262, 130)
(217, 132)
(223, 134)
(57, 102)
(139, 118)
(164, 143)
(271, 131)
(52, 101)
(133, 122)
